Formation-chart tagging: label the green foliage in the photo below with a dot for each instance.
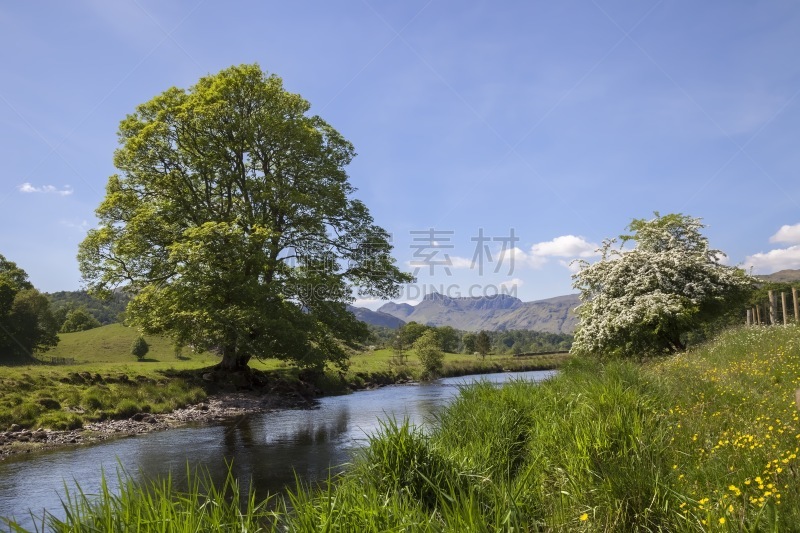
(468, 342)
(231, 221)
(408, 334)
(106, 311)
(429, 350)
(483, 343)
(449, 338)
(645, 300)
(78, 319)
(139, 348)
(27, 324)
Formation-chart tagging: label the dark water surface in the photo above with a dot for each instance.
(268, 448)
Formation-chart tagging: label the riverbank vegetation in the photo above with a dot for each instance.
(106, 382)
(706, 440)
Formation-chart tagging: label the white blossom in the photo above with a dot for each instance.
(642, 300)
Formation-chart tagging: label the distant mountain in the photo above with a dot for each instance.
(492, 313)
(782, 276)
(376, 318)
(400, 311)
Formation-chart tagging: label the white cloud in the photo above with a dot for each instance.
(461, 262)
(774, 260)
(533, 261)
(565, 246)
(787, 234)
(512, 284)
(82, 225)
(46, 189)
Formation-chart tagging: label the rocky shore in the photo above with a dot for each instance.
(216, 408)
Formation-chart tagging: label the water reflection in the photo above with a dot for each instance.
(271, 449)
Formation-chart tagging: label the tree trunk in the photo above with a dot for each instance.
(232, 359)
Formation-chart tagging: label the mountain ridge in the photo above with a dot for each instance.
(493, 313)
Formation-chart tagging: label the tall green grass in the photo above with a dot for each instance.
(156, 505)
(522, 457)
(705, 441)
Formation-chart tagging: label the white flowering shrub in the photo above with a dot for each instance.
(644, 300)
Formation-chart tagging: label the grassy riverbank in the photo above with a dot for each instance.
(707, 440)
(106, 382)
(704, 441)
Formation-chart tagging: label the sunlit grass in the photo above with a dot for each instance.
(705, 441)
(156, 505)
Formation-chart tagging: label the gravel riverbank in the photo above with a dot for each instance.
(216, 408)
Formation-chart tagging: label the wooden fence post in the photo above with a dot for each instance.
(796, 306)
(773, 308)
(749, 320)
(758, 315)
(783, 307)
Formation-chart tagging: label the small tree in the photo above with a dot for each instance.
(483, 343)
(140, 348)
(449, 337)
(645, 300)
(429, 350)
(468, 343)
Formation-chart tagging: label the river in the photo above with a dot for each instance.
(270, 448)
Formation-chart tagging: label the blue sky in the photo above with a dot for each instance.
(559, 122)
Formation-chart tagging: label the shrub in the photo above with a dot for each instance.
(60, 421)
(94, 398)
(126, 408)
(430, 354)
(140, 348)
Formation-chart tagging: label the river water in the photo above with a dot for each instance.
(270, 448)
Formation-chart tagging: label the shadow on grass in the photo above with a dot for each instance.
(19, 360)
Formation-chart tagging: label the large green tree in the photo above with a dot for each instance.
(27, 324)
(233, 225)
(645, 299)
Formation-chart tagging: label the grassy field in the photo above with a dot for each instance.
(704, 441)
(106, 381)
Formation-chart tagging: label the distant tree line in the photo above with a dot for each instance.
(79, 311)
(452, 340)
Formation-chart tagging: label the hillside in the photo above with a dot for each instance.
(112, 344)
(782, 276)
(497, 313)
(105, 311)
(375, 318)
